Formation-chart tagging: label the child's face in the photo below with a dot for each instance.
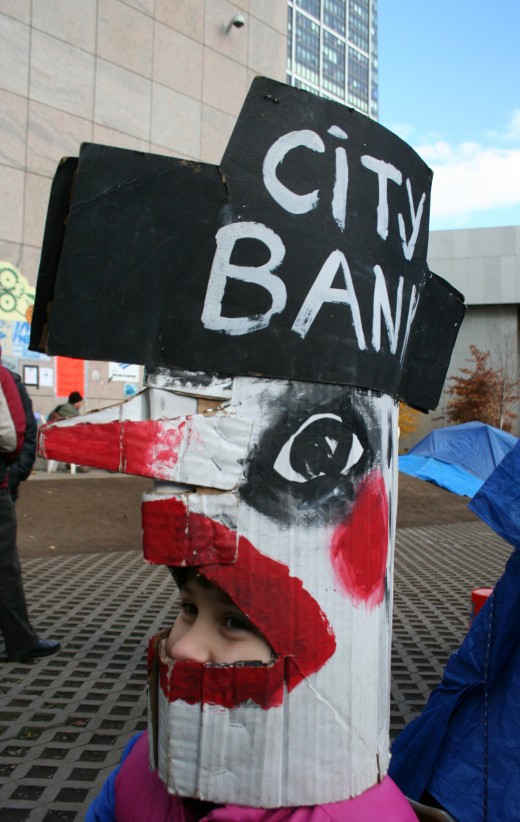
(210, 628)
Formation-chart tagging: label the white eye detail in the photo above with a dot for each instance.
(322, 446)
(355, 455)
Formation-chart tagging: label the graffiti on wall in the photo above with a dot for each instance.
(16, 295)
(16, 307)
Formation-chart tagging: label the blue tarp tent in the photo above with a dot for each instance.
(459, 457)
(464, 747)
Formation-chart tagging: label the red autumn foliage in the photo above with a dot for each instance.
(483, 394)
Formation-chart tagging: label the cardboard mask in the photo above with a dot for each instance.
(303, 546)
(289, 288)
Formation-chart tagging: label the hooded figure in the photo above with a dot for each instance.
(288, 307)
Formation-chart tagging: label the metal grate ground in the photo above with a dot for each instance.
(436, 568)
(65, 720)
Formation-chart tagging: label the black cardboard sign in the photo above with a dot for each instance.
(302, 257)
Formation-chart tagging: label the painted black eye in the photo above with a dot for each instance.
(318, 442)
(322, 446)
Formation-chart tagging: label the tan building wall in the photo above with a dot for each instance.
(162, 76)
(484, 265)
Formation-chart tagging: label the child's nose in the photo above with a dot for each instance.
(193, 646)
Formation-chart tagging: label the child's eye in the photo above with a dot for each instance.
(189, 609)
(234, 623)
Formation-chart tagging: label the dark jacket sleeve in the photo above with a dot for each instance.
(21, 468)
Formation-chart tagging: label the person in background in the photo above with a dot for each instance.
(67, 409)
(62, 412)
(21, 640)
(21, 468)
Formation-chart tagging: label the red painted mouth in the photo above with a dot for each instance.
(276, 603)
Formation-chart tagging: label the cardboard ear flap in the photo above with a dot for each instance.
(55, 226)
(438, 317)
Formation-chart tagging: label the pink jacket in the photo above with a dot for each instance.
(140, 795)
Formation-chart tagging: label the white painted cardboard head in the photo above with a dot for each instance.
(298, 268)
(303, 545)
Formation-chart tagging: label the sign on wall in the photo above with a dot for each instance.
(123, 372)
(70, 376)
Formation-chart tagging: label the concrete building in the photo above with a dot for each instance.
(162, 76)
(484, 265)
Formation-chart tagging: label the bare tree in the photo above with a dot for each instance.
(505, 359)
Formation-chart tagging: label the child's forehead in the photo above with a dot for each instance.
(196, 584)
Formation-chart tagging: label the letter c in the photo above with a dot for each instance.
(291, 202)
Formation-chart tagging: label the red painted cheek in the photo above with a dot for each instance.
(360, 544)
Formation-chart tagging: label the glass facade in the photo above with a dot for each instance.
(332, 50)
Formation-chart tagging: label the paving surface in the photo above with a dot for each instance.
(65, 720)
(436, 568)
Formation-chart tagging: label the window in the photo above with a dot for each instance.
(334, 15)
(311, 6)
(357, 79)
(307, 47)
(289, 37)
(358, 24)
(333, 64)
